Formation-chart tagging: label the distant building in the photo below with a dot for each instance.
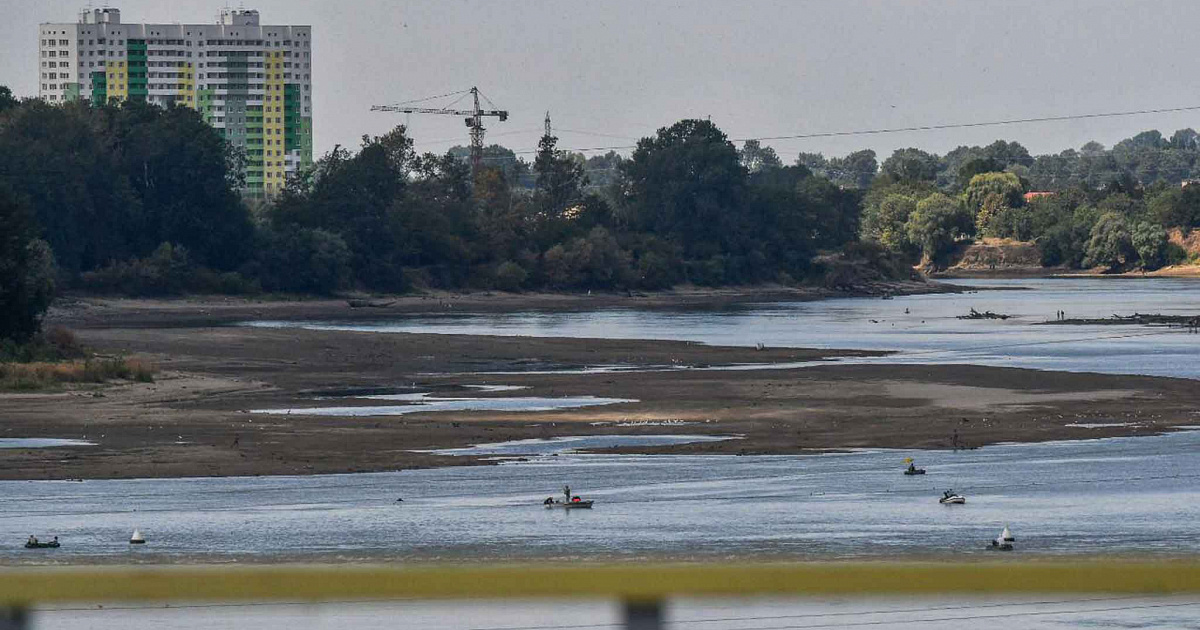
(1030, 196)
(251, 82)
(1188, 182)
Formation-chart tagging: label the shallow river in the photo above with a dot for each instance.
(1131, 494)
(1115, 495)
(928, 333)
(1137, 495)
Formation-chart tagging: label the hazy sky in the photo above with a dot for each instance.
(757, 68)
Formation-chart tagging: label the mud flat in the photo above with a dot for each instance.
(195, 419)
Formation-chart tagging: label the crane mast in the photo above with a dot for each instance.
(473, 118)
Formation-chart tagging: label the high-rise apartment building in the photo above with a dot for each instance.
(252, 82)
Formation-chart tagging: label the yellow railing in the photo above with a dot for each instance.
(641, 586)
(646, 582)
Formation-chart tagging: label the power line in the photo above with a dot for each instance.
(993, 123)
(934, 127)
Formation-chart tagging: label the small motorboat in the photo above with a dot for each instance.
(1003, 542)
(912, 467)
(570, 501)
(574, 504)
(137, 538)
(34, 543)
(949, 498)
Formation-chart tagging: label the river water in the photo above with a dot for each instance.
(1125, 495)
(929, 332)
(1079, 497)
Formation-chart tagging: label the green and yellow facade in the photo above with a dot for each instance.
(251, 82)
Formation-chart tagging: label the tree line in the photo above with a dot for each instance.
(142, 200)
(1094, 208)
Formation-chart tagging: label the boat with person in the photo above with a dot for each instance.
(950, 498)
(574, 504)
(1003, 542)
(570, 501)
(912, 467)
(34, 543)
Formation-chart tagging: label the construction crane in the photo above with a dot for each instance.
(473, 117)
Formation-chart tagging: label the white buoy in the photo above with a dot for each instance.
(137, 538)
(1006, 535)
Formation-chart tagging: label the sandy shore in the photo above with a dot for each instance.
(193, 420)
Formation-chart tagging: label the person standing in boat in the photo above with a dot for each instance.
(566, 494)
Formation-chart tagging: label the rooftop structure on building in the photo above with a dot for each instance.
(252, 82)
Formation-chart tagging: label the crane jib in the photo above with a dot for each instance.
(473, 118)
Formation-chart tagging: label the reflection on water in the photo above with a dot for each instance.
(573, 443)
(1082, 497)
(41, 443)
(424, 403)
(924, 328)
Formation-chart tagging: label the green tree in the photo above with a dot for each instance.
(7, 100)
(1150, 243)
(814, 162)
(559, 196)
(1110, 244)
(857, 169)
(756, 157)
(510, 276)
(911, 165)
(26, 270)
(1005, 186)
(1176, 208)
(687, 184)
(937, 223)
(303, 260)
(887, 222)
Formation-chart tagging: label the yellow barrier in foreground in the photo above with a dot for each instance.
(629, 582)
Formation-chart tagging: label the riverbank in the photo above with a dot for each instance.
(1175, 271)
(81, 310)
(195, 421)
